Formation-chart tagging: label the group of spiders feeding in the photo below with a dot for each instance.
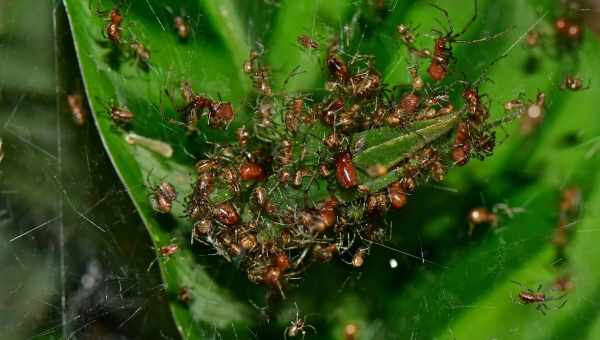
(254, 202)
(294, 190)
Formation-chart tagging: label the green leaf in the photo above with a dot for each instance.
(142, 93)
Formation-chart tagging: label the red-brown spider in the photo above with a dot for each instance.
(298, 327)
(528, 296)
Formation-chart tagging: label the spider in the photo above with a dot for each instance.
(539, 298)
(298, 326)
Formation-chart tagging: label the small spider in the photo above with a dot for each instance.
(307, 41)
(114, 29)
(180, 23)
(121, 115)
(481, 215)
(182, 27)
(297, 327)
(141, 54)
(568, 29)
(162, 197)
(345, 171)
(574, 84)
(165, 252)
(397, 195)
(168, 250)
(78, 108)
(442, 51)
(539, 298)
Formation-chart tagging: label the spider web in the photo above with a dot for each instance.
(70, 269)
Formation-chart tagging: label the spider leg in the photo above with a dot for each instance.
(562, 304)
(541, 308)
(556, 298)
(445, 13)
(311, 327)
(471, 21)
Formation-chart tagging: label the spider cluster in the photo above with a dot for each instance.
(290, 193)
(295, 189)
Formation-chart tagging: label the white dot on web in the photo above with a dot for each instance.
(393, 263)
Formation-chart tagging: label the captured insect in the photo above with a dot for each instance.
(538, 298)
